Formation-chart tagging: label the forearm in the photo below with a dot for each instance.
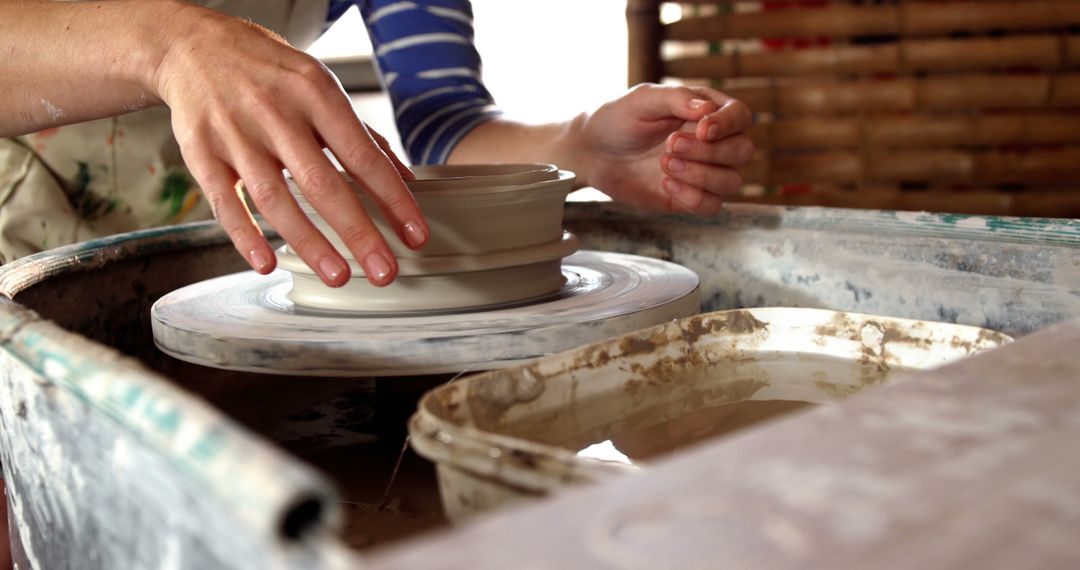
(502, 140)
(65, 62)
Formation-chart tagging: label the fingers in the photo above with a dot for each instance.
(219, 185)
(730, 117)
(716, 179)
(257, 105)
(702, 142)
(735, 150)
(403, 170)
(339, 205)
(374, 171)
(652, 102)
(691, 199)
(266, 185)
(699, 165)
(697, 187)
(699, 173)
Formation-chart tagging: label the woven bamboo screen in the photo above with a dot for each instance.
(955, 106)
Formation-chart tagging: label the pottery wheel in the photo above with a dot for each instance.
(246, 321)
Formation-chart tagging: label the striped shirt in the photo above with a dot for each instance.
(429, 65)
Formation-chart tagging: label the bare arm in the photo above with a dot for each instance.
(506, 140)
(244, 104)
(666, 148)
(65, 62)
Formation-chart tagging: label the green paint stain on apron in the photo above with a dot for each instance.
(174, 189)
(85, 201)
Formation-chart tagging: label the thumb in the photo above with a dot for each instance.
(658, 102)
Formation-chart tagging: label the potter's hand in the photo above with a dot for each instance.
(668, 148)
(245, 104)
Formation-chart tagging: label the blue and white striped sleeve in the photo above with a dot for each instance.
(429, 65)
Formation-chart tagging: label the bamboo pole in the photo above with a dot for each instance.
(918, 131)
(980, 91)
(1029, 167)
(832, 21)
(1043, 52)
(643, 41)
(909, 19)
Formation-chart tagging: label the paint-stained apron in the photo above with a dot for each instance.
(92, 179)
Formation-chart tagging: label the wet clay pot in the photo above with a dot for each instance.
(496, 238)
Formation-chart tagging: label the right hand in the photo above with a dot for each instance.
(244, 105)
(628, 148)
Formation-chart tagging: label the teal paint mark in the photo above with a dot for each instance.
(166, 421)
(124, 396)
(210, 445)
(121, 400)
(68, 371)
(1037, 228)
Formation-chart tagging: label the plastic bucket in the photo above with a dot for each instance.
(514, 433)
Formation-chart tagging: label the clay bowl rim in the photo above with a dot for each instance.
(517, 175)
(562, 184)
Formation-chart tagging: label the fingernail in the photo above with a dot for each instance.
(680, 146)
(331, 268)
(376, 266)
(259, 260)
(685, 199)
(414, 234)
(676, 165)
(696, 104)
(712, 133)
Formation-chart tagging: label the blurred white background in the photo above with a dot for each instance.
(543, 61)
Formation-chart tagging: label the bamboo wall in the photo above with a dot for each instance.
(968, 106)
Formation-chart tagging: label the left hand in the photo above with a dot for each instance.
(668, 148)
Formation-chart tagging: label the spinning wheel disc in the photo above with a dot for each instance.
(246, 321)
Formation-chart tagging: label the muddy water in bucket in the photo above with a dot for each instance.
(649, 443)
(516, 434)
(652, 441)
